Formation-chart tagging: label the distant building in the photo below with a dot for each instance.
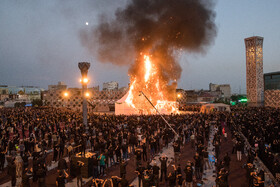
(223, 88)
(13, 92)
(206, 97)
(272, 89)
(60, 86)
(272, 81)
(110, 85)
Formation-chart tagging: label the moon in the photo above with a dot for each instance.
(86, 23)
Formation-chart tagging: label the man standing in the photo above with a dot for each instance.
(189, 174)
(156, 173)
(163, 167)
(26, 176)
(197, 166)
(123, 168)
(102, 160)
(139, 171)
(239, 151)
(79, 172)
(60, 180)
(124, 182)
(138, 154)
(95, 167)
(205, 158)
(12, 171)
(227, 161)
(176, 146)
(41, 173)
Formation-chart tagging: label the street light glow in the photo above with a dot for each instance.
(66, 94)
(179, 95)
(87, 94)
(84, 80)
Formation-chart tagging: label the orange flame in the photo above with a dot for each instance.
(154, 88)
(148, 67)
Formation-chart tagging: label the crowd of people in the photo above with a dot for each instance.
(33, 132)
(261, 127)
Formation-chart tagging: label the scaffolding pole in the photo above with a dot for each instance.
(160, 114)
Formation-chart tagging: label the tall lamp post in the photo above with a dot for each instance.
(84, 66)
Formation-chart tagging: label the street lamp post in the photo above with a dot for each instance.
(84, 66)
(66, 94)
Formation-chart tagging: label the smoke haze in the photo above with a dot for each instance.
(160, 28)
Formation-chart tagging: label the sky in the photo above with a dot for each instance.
(40, 44)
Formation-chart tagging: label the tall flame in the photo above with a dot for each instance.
(153, 87)
(148, 67)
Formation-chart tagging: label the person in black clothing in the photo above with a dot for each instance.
(176, 147)
(146, 181)
(41, 173)
(25, 159)
(62, 164)
(2, 158)
(156, 169)
(189, 174)
(123, 168)
(222, 178)
(144, 152)
(118, 153)
(79, 172)
(138, 154)
(227, 161)
(26, 176)
(61, 149)
(95, 167)
(124, 182)
(198, 165)
(163, 167)
(205, 158)
(172, 179)
(115, 180)
(60, 180)
(55, 153)
(12, 171)
(217, 148)
(140, 172)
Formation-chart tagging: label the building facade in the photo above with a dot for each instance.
(272, 89)
(110, 85)
(223, 88)
(99, 101)
(254, 70)
(60, 86)
(272, 81)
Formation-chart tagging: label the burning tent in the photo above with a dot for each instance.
(149, 36)
(122, 107)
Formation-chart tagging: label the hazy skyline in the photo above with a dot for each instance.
(40, 45)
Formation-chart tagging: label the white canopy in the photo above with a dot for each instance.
(122, 108)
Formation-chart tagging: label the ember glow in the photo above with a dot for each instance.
(147, 80)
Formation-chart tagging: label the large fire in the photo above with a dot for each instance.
(148, 81)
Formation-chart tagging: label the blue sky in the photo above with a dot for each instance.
(40, 45)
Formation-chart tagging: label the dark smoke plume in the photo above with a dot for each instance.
(160, 28)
